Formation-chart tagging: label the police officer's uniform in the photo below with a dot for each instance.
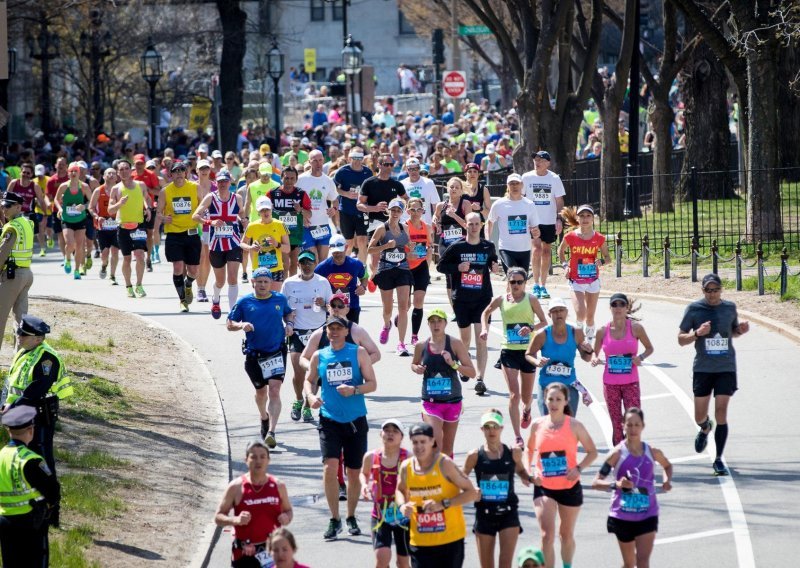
(29, 496)
(37, 378)
(16, 254)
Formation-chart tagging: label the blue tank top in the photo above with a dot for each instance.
(561, 368)
(340, 368)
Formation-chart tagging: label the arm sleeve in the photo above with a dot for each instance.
(40, 477)
(449, 262)
(42, 381)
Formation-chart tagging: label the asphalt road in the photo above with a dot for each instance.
(748, 519)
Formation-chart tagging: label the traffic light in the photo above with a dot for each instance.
(438, 46)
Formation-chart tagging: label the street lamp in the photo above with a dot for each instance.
(352, 60)
(12, 62)
(275, 70)
(44, 47)
(96, 48)
(150, 64)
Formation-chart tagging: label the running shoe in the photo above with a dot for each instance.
(385, 334)
(342, 492)
(140, 293)
(184, 307)
(244, 277)
(41, 252)
(270, 440)
(352, 526)
(371, 286)
(414, 339)
(188, 294)
(130, 292)
(394, 321)
(308, 416)
(402, 351)
(537, 291)
(543, 293)
(297, 407)
(97, 254)
(334, 528)
(83, 270)
(719, 468)
(498, 365)
(526, 418)
(149, 265)
(264, 428)
(114, 281)
(50, 243)
(88, 264)
(216, 311)
(156, 257)
(590, 332)
(520, 442)
(103, 272)
(67, 266)
(201, 296)
(76, 275)
(701, 440)
(480, 387)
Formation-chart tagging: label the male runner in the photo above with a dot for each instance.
(324, 203)
(292, 207)
(347, 275)
(128, 201)
(106, 224)
(348, 180)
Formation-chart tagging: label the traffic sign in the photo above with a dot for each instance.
(454, 84)
(473, 30)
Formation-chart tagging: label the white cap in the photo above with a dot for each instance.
(412, 162)
(393, 422)
(514, 177)
(263, 202)
(338, 243)
(83, 165)
(39, 170)
(150, 164)
(557, 303)
(203, 148)
(216, 154)
(490, 148)
(203, 164)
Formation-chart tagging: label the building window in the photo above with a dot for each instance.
(320, 75)
(317, 10)
(405, 26)
(338, 10)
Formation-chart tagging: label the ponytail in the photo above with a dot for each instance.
(570, 216)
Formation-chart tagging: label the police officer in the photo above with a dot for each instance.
(16, 252)
(37, 378)
(29, 495)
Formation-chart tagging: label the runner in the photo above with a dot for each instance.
(153, 185)
(545, 189)
(291, 207)
(476, 192)
(71, 200)
(380, 471)
(206, 183)
(710, 324)
(308, 294)
(450, 223)
(262, 315)
(619, 340)
(53, 183)
(128, 201)
(347, 275)
(222, 212)
(432, 493)
(420, 242)
(496, 514)
(107, 226)
(345, 375)
(519, 311)
(633, 517)
(556, 474)
(440, 360)
(530, 557)
(260, 504)
(348, 180)
(242, 190)
(516, 222)
(176, 203)
(558, 343)
(33, 201)
(259, 188)
(45, 234)
(282, 548)
(587, 252)
(324, 203)
(421, 188)
(470, 263)
(267, 241)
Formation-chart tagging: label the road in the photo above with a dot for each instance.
(744, 520)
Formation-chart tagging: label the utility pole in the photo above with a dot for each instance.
(455, 53)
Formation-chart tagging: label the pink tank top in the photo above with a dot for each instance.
(619, 369)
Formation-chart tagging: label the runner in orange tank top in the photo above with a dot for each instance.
(419, 253)
(106, 224)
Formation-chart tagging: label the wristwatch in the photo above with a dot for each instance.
(446, 503)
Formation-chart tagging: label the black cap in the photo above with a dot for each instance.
(31, 325)
(542, 154)
(712, 278)
(421, 429)
(336, 320)
(19, 417)
(619, 296)
(10, 198)
(177, 166)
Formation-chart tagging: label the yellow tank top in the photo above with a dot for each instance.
(442, 527)
(132, 211)
(180, 203)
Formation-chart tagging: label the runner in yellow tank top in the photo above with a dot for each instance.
(128, 202)
(432, 492)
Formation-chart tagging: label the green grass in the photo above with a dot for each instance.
(93, 459)
(96, 398)
(750, 284)
(67, 342)
(89, 495)
(68, 548)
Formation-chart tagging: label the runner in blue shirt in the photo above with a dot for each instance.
(347, 275)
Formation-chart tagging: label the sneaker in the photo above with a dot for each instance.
(156, 257)
(590, 332)
(352, 526)
(385, 334)
(414, 339)
(342, 492)
(402, 350)
(480, 387)
(114, 281)
(184, 307)
(497, 365)
(188, 294)
(88, 264)
(719, 468)
(270, 440)
(140, 291)
(97, 254)
(543, 293)
(520, 442)
(103, 272)
(216, 311)
(264, 428)
(371, 286)
(130, 291)
(201, 296)
(41, 252)
(334, 528)
(526, 418)
(76, 275)
(701, 440)
(50, 243)
(149, 265)
(537, 291)
(244, 277)
(67, 266)
(83, 271)
(394, 321)
(454, 318)
(308, 416)
(297, 407)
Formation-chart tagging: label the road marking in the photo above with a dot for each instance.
(655, 396)
(694, 457)
(741, 533)
(693, 536)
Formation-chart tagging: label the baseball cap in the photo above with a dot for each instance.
(397, 203)
(585, 207)
(263, 202)
(711, 279)
(472, 166)
(337, 243)
(263, 149)
(437, 313)
(490, 148)
(514, 177)
(412, 163)
(542, 154)
(177, 166)
(393, 422)
(83, 165)
(356, 155)
(265, 168)
(261, 272)
(216, 154)
(69, 138)
(11, 198)
(139, 158)
(336, 320)
(150, 164)
(39, 170)
(306, 255)
(557, 303)
(492, 417)
(619, 297)
(203, 148)
(530, 553)
(223, 175)
(421, 429)
(340, 296)
(203, 164)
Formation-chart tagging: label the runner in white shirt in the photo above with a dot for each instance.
(421, 188)
(517, 222)
(321, 190)
(545, 189)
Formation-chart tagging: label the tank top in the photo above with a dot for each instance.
(264, 505)
(441, 527)
(396, 257)
(104, 220)
(557, 454)
(384, 486)
(639, 503)
(516, 315)
(69, 203)
(340, 368)
(229, 236)
(283, 209)
(582, 256)
(477, 198)
(323, 339)
(619, 369)
(28, 195)
(495, 479)
(419, 244)
(440, 382)
(451, 229)
(180, 203)
(561, 367)
(132, 211)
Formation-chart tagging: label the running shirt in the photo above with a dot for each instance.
(346, 178)
(264, 505)
(619, 369)
(256, 190)
(418, 244)
(543, 191)
(474, 285)
(639, 503)
(452, 231)
(28, 194)
(229, 236)
(301, 294)
(423, 189)
(395, 257)
(340, 368)
(384, 485)
(561, 367)
(477, 198)
(268, 257)
(283, 210)
(69, 204)
(344, 278)
(556, 454)
(377, 190)
(714, 353)
(440, 382)
(266, 315)
(441, 527)
(582, 256)
(514, 219)
(180, 203)
(516, 315)
(104, 220)
(132, 211)
(320, 190)
(495, 479)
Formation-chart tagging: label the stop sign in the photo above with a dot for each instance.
(454, 84)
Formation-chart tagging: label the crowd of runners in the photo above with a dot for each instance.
(312, 245)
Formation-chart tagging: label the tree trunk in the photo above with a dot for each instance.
(612, 181)
(508, 84)
(789, 112)
(529, 131)
(231, 78)
(661, 116)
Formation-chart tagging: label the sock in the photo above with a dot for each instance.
(177, 281)
(233, 294)
(215, 295)
(720, 438)
(567, 565)
(156, 247)
(416, 320)
(705, 424)
(189, 281)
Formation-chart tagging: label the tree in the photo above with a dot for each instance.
(231, 78)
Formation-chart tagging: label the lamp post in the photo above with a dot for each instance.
(275, 70)
(44, 47)
(352, 60)
(150, 65)
(96, 48)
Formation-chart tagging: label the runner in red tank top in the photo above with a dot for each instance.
(419, 249)
(106, 224)
(260, 503)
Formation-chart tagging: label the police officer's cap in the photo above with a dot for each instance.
(19, 417)
(10, 198)
(31, 325)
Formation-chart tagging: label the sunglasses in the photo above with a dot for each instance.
(387, 164)
(619, 305)
(516, 282)
(413, 169)
(415, 209)
(337, 305)
(491, 426)
(711, 290)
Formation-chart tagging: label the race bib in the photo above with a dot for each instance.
(267, 260)
(395, 256)
(138, 235)
(304, 337)
(272, 366)
(430, 522)
(540, 194)
(472, 280)
(223, 231)
(339, 373)
(717, 346)
(72, 210)
(554, 464)
(110, 225)
(181, 205)
(587, 270)
(518, 225)
(635, 501)
(513, 337)
(620, 364)
(321, 232)
(449, 236)
(289, 220)
(495, 490)
(558, 370)
(264, 559)
(420, 250)
(439, 386)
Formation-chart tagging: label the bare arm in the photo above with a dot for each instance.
(363, 339)
(200, 211)
(232, 495)
(640, 334)
(487, 313)
(465, 366)
(367, 373)
(469, 493)
(537, 309)
(287, 514)
(311, 347)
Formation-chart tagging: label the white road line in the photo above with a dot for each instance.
(695, 457)
(692, 536)
(655, 396)
(741, 533)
